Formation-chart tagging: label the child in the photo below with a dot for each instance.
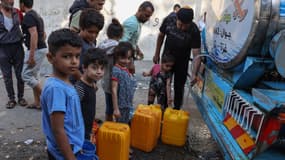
(160, 83)
(114, 33)
(34, 39)
(93, 63)
(123, 83)
(91, 23)
(62, 120)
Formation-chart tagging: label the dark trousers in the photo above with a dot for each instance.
(180, 71)
(12, 56)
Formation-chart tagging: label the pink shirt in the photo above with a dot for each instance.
(155, 70)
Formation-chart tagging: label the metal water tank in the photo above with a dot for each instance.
(243, 28)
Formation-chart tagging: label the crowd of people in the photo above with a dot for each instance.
(68, 97)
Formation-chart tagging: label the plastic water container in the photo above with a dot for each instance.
(113, 141)
(144, 128)
(88, 152)
(174, 128)
(156, 110)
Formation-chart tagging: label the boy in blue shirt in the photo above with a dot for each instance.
(61, 117)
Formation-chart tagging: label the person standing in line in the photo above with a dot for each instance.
(182, 36)
(123, 83)
(11, 51)
(62, 120)
(114, 33)
(132, 29)
(91, 23)
(34, 39)
(93, 65)
(76, 9)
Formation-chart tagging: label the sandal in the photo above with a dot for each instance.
(33, 106)
(22, 102)
(11, 104)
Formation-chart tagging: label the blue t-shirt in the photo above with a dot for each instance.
(132, 30)
(58, 96)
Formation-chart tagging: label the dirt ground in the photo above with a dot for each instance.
(21, 136)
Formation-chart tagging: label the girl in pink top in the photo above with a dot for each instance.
(160, 82)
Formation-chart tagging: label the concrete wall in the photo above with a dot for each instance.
(55, 14)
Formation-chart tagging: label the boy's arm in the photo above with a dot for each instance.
(168, 91)
(33, 45)
(117, 113)
(57, 124)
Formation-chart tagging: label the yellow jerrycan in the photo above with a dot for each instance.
(157, 112)
(144, 128)
(113, 141)
(174, 127)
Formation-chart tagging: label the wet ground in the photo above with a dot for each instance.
(21, 135)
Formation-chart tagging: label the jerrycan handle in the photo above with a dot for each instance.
(179, 113)
(122, 129)
(176, 112)
(144, 111)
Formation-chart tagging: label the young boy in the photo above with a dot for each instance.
(62, 120)
(91, 23)
(160, 83)
(93, 64)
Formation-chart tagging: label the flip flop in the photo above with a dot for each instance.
(11, 104)
(33, 106)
